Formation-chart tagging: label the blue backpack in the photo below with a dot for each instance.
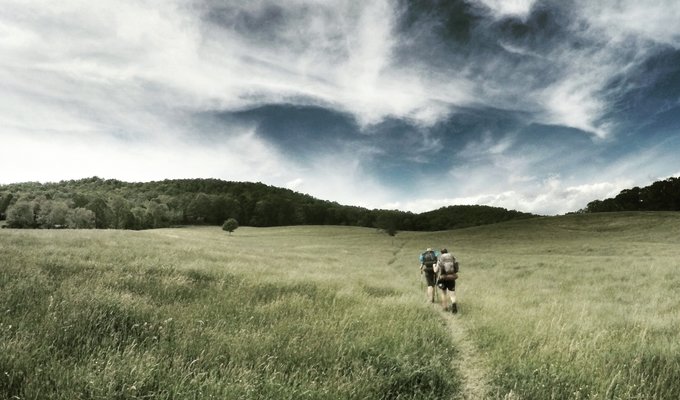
(428, 259)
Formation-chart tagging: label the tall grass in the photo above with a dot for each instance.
(285, 313)
(576, 307)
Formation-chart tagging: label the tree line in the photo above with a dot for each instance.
(662, 195)
(113, 204)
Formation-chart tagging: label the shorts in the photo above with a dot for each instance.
(447, 285)
(429, 276)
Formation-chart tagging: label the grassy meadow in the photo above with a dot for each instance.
(281, 313)
(574, 307)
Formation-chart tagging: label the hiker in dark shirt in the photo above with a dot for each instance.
(428, 260)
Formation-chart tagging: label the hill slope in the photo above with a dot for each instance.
(99, 203)
(662, 195)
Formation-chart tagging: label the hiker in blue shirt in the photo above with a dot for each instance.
(428, 259)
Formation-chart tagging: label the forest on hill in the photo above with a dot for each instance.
(113, 204)
(663, 195)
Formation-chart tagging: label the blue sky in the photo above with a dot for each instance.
(538, 106)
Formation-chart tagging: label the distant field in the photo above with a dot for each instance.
(576, 307)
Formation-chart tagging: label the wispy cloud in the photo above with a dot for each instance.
(129, 90)
(509, 8)
(73, 156)
(549, 197)
(626, 20)
(341, 177)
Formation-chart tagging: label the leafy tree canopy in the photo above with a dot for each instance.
(114, 204)
(662, 195)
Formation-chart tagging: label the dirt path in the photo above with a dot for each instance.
(469, 362)
(471, 365)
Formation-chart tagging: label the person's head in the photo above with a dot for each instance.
(429, 249)
(444, 251)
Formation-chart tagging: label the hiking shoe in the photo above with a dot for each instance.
(454, 308)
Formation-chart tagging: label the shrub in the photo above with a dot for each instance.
(230, 225)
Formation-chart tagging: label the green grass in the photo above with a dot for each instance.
(574, 307)
(286, 313)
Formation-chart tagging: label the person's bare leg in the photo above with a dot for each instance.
(444, 301)
(430, 294)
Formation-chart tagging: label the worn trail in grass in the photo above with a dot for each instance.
(471, 365)
(468, 363)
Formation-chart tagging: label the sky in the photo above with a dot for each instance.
(530, 105)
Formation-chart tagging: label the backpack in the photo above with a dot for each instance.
(451, 267)
(449, 264)
(428, 259)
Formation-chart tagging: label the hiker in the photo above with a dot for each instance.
(428, 260)
(447, 273)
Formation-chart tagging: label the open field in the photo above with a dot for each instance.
(286, 313)
(575, 307)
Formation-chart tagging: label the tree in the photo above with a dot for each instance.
(81, 218)
(5, 200)
(122, 218)
(123, 205)
(21, 215)
(264, 213)
(629, 199)
(388, 221)
(138, 218)
(158, 215)
(198, 210)
(52, 214)
(102, 213)
(230, 225)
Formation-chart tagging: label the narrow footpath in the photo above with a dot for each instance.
(470, 364)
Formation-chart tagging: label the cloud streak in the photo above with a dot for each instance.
(523, 104)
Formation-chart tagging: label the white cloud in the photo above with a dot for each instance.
(576, 97)
(624, 20)
(539, 184)
(573, 102)
(295, 183)
(164, 56)
(620, 36)
(339, 54)
(74, 156)
(340, 177)
(336, 54)
(486, 146)
(106, 88)
(505, 8)
(601, 40)
(549, 197)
